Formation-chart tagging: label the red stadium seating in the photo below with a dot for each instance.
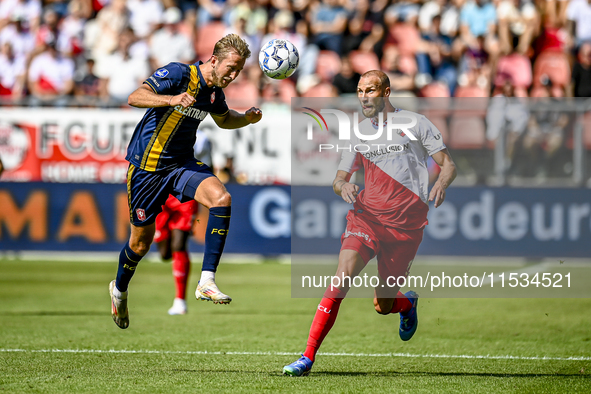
(470, 91)
(516, 68)
(328, 65)
(406, 37)
(207, 36)
(364, 61)
(555, 66)
(323, 89)
(435, 89)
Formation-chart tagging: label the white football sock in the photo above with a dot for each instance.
(207, 275)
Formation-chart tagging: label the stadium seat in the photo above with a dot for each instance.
(555, 66)
(323, 89)
(467, 132)
(364, 61)
(515, 67)
(435, 89)
(406, 37)
(470, 91)
(328, 65)
(207, 36)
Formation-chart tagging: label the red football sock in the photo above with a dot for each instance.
(181, 266)
(324, 319)
(401, 304)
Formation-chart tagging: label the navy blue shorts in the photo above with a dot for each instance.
(147, 191)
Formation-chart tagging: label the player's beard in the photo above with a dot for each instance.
(217, 81)
(377, 106)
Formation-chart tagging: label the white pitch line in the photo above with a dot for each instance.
(202, 352)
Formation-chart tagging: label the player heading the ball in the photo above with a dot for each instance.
(161, 163)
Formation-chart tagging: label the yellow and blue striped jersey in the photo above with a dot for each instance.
(165, 136)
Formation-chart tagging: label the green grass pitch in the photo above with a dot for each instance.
(56, 336)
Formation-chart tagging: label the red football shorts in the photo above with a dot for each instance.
(175, 216)
(394, 248)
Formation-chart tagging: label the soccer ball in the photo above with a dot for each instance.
(279, 59)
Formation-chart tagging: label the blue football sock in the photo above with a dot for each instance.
(128, 261)
(215, 236)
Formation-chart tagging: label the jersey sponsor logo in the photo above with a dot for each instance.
(212, 97)
(392, 148)
(191, 112)
(141, 214)
(161, 73)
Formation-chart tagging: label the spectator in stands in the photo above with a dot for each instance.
(450, 18)
(347, 79)
(506, 120)
(516, 22)
(440, 63)
(20, 39)
(213, 10)
(479, 19)
(543, 142)
(30, 10)
(401, 72)
(145, 16)
(255, 17)
(86, 85)
(402, 11)
(365, 29)
(51, 76)
(328, 24)
(581, 76)
(168, 44)
(72, 27)
(578, 14)
(121, 73)
(102, 36)
(12, 72)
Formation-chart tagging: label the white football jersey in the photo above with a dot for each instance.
(396, 174)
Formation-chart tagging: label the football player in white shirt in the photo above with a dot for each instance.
(388, 216)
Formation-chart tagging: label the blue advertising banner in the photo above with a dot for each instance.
(95, 217)
(269, 220)
(472, 222)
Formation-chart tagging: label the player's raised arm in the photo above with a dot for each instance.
(145, 97)
(446, 176)
(235, 120)
(342, 187)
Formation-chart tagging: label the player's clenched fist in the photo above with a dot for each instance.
(253, 115)
(184, 99)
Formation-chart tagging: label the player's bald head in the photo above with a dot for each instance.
(377, 78)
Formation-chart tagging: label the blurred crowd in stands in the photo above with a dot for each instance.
(96, 52)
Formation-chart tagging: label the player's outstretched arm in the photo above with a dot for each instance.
(446, 176)
(343, 188)
(235, 120)
(145, 97)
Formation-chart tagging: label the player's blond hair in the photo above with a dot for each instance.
(231, 43)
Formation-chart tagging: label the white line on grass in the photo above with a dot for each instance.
(409, 355)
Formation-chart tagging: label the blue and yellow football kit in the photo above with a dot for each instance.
(160, 152)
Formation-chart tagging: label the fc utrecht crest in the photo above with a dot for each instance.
(141, 214)
(212, 97)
